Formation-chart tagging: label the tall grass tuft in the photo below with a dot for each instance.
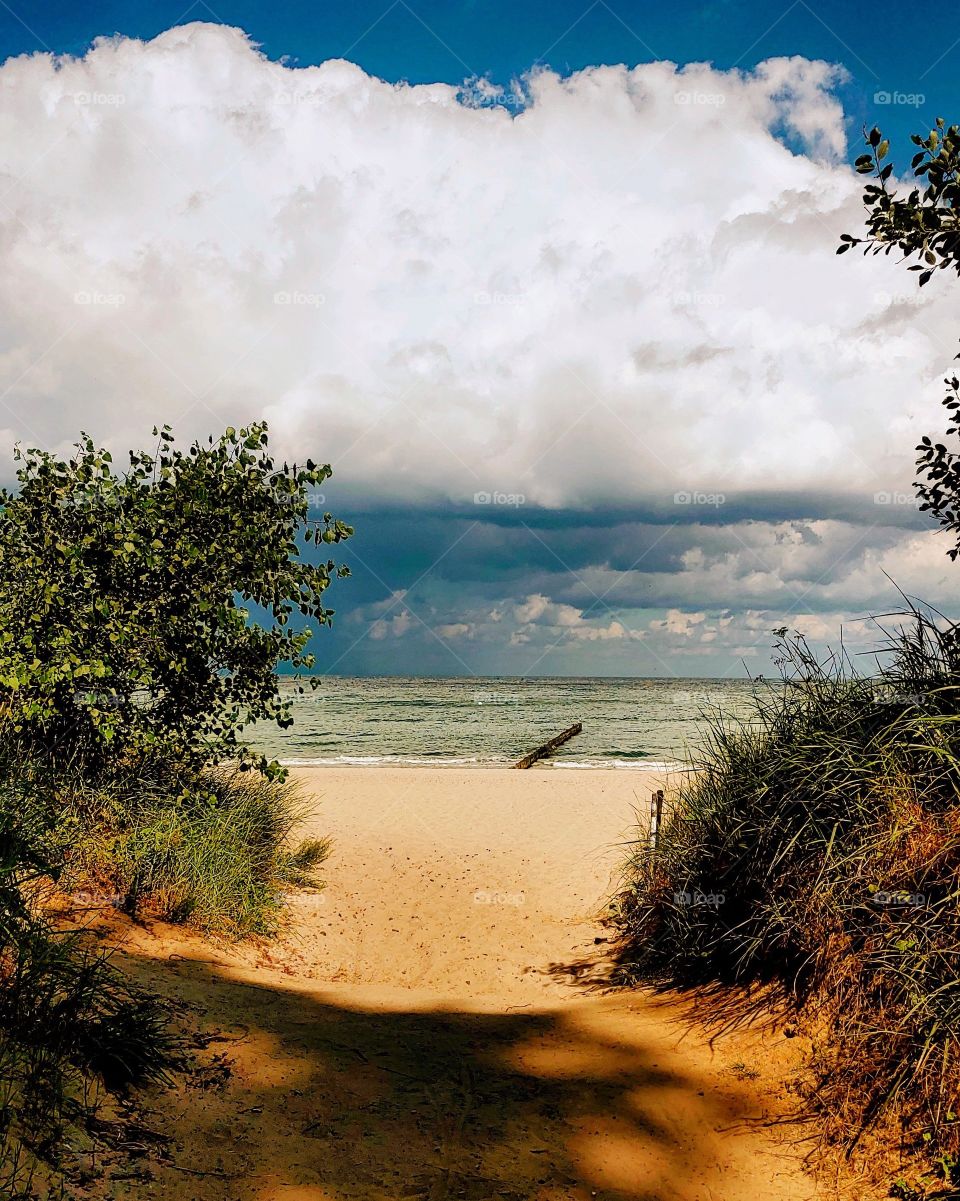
(216, 852)
(815, 849)
(69, 1024)
(213, 849)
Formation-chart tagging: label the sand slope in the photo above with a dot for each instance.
(419, 1033)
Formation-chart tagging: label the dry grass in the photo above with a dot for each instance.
(829, 824)
(216, 853)
(70, 1027)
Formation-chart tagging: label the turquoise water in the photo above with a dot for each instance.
(626, 723)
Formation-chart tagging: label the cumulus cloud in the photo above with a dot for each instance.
(563, 622)
(539, 636)
(391, 627)
(614, 289)
(679, 623)
(456, 629)
(642, 598)
(626, 287)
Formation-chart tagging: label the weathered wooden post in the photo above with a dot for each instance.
(548, 748)
(656, 813)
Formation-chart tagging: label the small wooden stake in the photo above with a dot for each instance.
(656, 813)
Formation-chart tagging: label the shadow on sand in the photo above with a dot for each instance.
(330, 1100)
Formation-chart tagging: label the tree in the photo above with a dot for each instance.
(926, 223)
(125, 629)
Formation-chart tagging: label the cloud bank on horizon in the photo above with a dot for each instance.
(618, 304)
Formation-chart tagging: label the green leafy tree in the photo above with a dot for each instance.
(125, 598)
(926, 221)
(923, 223)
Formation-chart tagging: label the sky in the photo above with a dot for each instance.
(552, 287)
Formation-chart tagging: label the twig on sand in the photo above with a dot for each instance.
(197, 1172)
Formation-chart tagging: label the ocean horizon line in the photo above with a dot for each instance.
(733, 680)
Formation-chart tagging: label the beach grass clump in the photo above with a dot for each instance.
(70, 1026)
(215, 851)
(815, 850)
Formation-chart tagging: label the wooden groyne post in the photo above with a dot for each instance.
(548, 747)
(656, 813)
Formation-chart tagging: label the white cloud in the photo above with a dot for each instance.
(537, 614)
(629, 288)
(391, 627)
(679, 623)
(456, 629)
(624, 288)
(793, 566)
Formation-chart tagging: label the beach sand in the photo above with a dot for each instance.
(431, 1025)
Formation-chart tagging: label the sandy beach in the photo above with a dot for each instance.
(430, 1025)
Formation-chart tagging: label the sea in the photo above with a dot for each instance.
(627, 723)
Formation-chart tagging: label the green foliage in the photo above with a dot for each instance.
(69, 1024)
(143, 616)
(815, 849)
(216, 855)
(125, 599)
(939, 485)
(926, 222)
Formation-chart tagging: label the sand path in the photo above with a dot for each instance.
(418, 1035)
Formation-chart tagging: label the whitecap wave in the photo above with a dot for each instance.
(621, 764)
(393, 761)
(647, 765)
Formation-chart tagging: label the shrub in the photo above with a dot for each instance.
(815, 848)
(215, 853)
(69, 1024)
(125, 598)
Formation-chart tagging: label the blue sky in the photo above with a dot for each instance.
(434, 40)
(562, 309)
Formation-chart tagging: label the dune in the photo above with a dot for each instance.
(435, 1024)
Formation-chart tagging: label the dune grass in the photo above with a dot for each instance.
(216, 853)
(70, 1027)
(214, 850)
(815, 849)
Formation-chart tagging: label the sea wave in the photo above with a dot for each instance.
(394, 761)
(475, 761)
(621, 764)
